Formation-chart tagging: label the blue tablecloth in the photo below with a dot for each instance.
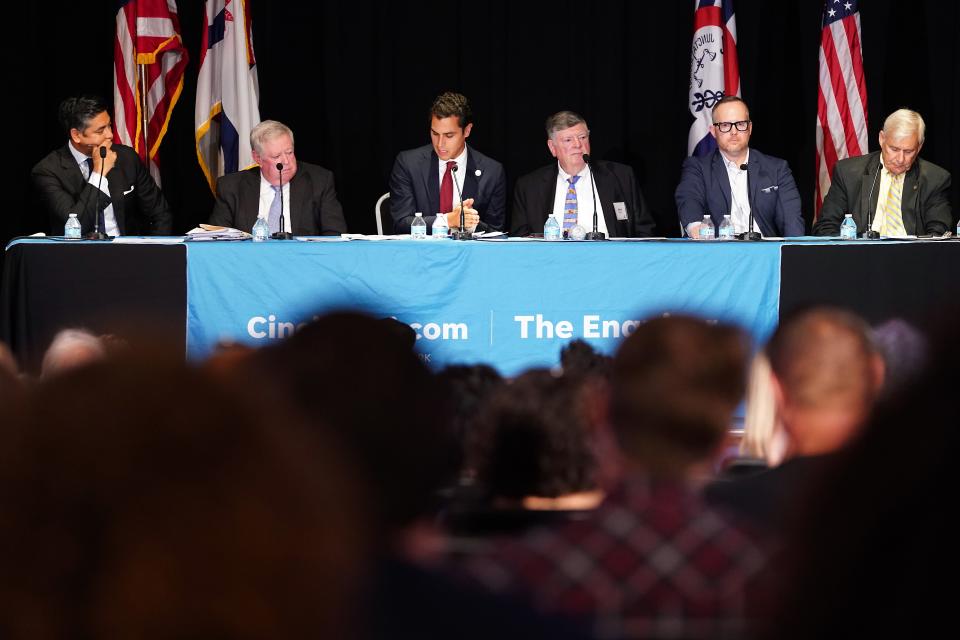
(512, 304)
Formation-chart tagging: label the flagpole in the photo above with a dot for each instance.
(142, 68)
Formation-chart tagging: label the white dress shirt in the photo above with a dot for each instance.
(109, 219)
(267, 194)
(584, 189)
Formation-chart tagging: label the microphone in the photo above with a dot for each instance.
(98, 232)
(281, 234)
(749, 234)
(593, 235)
(869, 233)
(463, 234)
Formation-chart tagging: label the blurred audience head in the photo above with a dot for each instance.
(579, 358)
(531, 439)
(872, 548)
(904, 350)
(470, 387)
(70, 349)
(675, 384)
(827, 374)
(357, 377)
(179, 509)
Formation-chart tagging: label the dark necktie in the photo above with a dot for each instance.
(446, 189)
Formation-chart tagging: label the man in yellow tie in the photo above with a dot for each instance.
(892, 191)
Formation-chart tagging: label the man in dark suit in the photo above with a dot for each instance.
(431, 179)
(128, 201)
(716, 185)
(905, 194)
(309, 199)
(563, 190)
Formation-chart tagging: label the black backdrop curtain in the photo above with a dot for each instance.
(354, 80)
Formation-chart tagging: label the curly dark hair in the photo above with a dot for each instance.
(531, 439)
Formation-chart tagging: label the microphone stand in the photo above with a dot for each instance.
(869, 233)
(462, 233)
(749, 234)
(281, 234)
(98, 233)
(593, 235)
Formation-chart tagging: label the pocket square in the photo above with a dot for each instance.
(130, 189)
(773, 187)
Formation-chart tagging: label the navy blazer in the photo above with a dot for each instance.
(138, 204)
(704, 189)
(535, 193)
(415, 186)
(925, 205)
(314, 208)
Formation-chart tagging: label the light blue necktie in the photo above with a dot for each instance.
(273, 217)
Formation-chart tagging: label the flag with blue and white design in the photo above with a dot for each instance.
(714, 72)
(228, 92)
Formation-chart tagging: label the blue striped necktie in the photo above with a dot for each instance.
(570, 204)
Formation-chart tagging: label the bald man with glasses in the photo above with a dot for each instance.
(735, 179)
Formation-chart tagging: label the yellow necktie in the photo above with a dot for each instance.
(892, 215)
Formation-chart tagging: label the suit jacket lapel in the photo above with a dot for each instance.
(432, 182)
(908, 200)
(605, 193)
(753, 180)
(299, 190)
(249, 199)
(471, 184)
(869, 191)
(721, 182)
(548, 194)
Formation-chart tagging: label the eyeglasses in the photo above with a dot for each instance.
(724, 127)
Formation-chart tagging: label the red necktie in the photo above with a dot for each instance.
(446, 189)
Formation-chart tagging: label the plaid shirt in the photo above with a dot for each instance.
(652, 562)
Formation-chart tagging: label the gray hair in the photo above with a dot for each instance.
(904, 122)
(266, 131)
(563, 120)
(71, 348)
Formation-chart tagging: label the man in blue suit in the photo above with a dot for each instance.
(431, 179)
(717, 184)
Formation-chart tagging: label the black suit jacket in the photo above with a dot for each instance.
(925, 198)
(314, 208)
(415, 186)
(138, 203)
(535, 193)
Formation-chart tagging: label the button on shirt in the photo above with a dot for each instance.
(109, 219)
(584, 189)
(267, 194)
(739, 198)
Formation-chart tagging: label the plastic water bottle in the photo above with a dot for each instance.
(958, 228)
(440, 228)
(72, 228)
(551, 229)
(726, 228)
(848, 229)
(418, 228)
(707, 231)
(261, 230)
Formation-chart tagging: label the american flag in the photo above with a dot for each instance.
(228, 92)
(149, 60)
(842, 98)
(714, 71)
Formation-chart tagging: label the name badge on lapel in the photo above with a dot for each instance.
(620, 209)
